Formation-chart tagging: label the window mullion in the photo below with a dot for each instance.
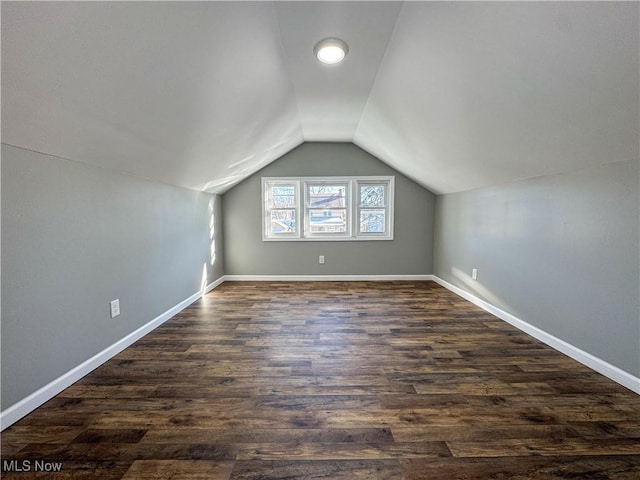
(305, 205)
(354, 202)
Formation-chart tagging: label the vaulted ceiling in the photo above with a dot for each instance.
(454, 95)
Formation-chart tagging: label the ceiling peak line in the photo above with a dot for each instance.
(375, 78)
(331, 98)
(283, 54)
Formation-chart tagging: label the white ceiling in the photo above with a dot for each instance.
(455, 95)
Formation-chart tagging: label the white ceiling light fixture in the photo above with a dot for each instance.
(331, 50)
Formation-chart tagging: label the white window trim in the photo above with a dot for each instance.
(266, 212)
(389, 182)
(353, 209)
(307, 234)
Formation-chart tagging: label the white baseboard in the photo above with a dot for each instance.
(611, 371)
(324, 278)
(14, 413)
(214, 284)
(18, 410)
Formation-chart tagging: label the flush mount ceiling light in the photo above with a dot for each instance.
(331, 50)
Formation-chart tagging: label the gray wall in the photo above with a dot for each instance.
(559, 252)
(409, 253)
(75, 237)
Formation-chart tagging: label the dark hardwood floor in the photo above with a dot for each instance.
(357, 380)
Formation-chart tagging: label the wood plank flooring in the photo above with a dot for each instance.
(335, 380)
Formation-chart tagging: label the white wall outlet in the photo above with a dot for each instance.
(474, 273)
(321, 259)
(115, 307)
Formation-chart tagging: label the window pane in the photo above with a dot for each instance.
(283, 221)
(328, 221)
(327, 196)
(283, 196)
(372, 221)
(372, 195)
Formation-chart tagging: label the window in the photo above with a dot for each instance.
(329, 208)
(373, 206)
(326, 209)
(282, 209)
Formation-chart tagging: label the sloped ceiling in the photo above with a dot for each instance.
(454, 95)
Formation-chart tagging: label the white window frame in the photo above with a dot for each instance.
(388, 207)
(308, 234)
(302, 208)
(267, 234)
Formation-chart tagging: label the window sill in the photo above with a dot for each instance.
(327, 239)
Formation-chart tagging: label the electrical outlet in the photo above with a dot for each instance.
(321, 259)
(474, 273)
(115, 307)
